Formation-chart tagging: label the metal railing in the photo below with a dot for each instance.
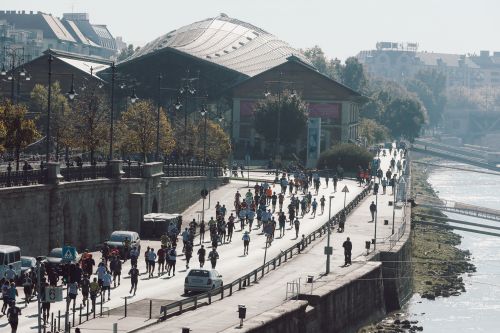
(71, 173)
(191, 170)
(22, 178)
(193, 302)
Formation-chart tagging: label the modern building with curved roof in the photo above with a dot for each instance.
(227, 42)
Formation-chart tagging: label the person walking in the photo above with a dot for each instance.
(335, 182)
(188, 253)
(13, 316)
(314, 205)
(201, 255)
(213, 256)
(373, 210)
(161, 260)
(85, 286)
(347, 245)
(152, 260)
(296, 224)
(172, 258)
(134, 278)
(95, 288)
(116, 268)
(282, 223)
(28, 288)
(72, 294)
(246, 242)
(202, 231)
(322, 204)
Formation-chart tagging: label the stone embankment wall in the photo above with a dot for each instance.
(365, 295)
(84, 213)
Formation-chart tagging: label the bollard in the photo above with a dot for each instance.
(87, 309)
(59, 320)
(52, 322)
(195, 302)
(102, 296)
(74, 311)
(115, 327)
(80, 320)
(239, 284)
(209, 297)
(125, 306)
(221, 292)
(150, 308)
(231, 289)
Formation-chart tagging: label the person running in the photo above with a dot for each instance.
(85, 286)
(322, 204)
(314, 205)
(246, 242)
(281, 199)
(72, 294)
(106, 285)
(5, 296)
(373, 210)
(13, 316)
(201, 256)
(335, 182)
(347, 245)
(95, 289)
(213, 256)
(296, 224)
(274, 199)
(134, 278)
(134, 256)
(101, 270)
(230, 229)
(151, 261)
(116, 268)
(250, 217)
(126, 249)
(188, 252)
(28, 288)
(161, 260)
(202, 231)
(282, 223)
(172, 257)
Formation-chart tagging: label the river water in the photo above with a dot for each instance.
(478, 309)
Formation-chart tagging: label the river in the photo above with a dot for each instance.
(478, 309)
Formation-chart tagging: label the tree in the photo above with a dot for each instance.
(347, 155)
(60, 114)
(20, 131)
(353, 75)
(293, 117)
(138, 130)
(328, 67)
(90, 121)
(127, 52)
(430, 87)
(373, 131)
(218, 143)
(404, 117)
(3, 135)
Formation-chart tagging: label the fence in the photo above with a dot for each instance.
(22, 178)
(191, 170)
(71, 173)
(191, 303)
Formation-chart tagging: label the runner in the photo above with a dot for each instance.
(172, 258)
(28, 288)
(134, 278)
(213, 256)
(314, 205)
(116, 268)
(188, 253)
(85, 286)
(296, 224)
(322, 204)
(95, 289)
(201, 256)
(106, 285)
(246, 242)
(72, 294)
(230, 228)
(202, 231)
(161, 260)
(13, 316)
(151, 261)
(282, 222)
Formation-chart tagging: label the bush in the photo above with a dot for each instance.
(347, 155)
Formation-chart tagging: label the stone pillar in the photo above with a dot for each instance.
(116, 169)
(53, 173)
(151, 170)
(136, 211)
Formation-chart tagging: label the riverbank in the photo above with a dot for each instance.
(437, 262)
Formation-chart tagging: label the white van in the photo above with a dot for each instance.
(10, 255)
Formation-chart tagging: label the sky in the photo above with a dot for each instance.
(340, 28)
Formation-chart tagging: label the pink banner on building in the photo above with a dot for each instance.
(324, 110)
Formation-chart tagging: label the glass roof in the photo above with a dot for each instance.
(228, 42)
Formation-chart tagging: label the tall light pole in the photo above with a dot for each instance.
(47, 153)
(328, 248)
(157, 155)
(375, 232)
(111, 115)
(394, 205)
(16, 60)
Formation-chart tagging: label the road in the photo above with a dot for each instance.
(231, 264)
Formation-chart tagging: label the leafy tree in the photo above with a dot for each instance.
(353, 75)
(138, 129)
(60, 111)
(293, 117)
(404, 117)
(3, 135)
(127, 52)
(218, 143)
(20, 131)
(373, 131)
(430, 87)
(347, 155)
(90, 121)
(326, 66)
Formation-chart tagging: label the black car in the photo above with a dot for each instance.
(54, 260)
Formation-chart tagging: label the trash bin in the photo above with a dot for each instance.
(154, 225)
(367, 245)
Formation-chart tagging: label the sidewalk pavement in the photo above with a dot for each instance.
(270, 291)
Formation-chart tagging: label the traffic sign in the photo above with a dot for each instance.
(345, 189)
(204, 193)
(69, 253)
(53, 294)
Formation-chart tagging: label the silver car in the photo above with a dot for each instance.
(202, 280)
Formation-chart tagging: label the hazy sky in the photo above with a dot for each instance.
(341, 28)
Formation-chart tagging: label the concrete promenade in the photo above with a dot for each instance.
(268, 295)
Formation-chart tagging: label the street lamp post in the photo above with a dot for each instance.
(394, 206)
(47, 156)
(17, 59)
(328, 248)
(111, 115)
(375, 232)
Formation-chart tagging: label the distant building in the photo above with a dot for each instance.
(37, 32)
(397, 62)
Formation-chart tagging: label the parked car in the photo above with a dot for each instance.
(10, 255)
(55, 260)
(202, 280)
(117, 238)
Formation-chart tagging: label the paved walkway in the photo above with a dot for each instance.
(270, 291)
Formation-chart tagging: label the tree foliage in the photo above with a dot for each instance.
(404, 117)
(353, 75)
(293, 117)
(127, 52)
(328, 67)
(373, 131)
(90, 121)
(347, 155)
(19, 130)
(218, 144)
(137, 130)
(3, 135)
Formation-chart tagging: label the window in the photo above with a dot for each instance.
(197, 272)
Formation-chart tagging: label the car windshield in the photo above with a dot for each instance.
(197, 272)
(26, 262)
(118, 237)
(55, 253)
